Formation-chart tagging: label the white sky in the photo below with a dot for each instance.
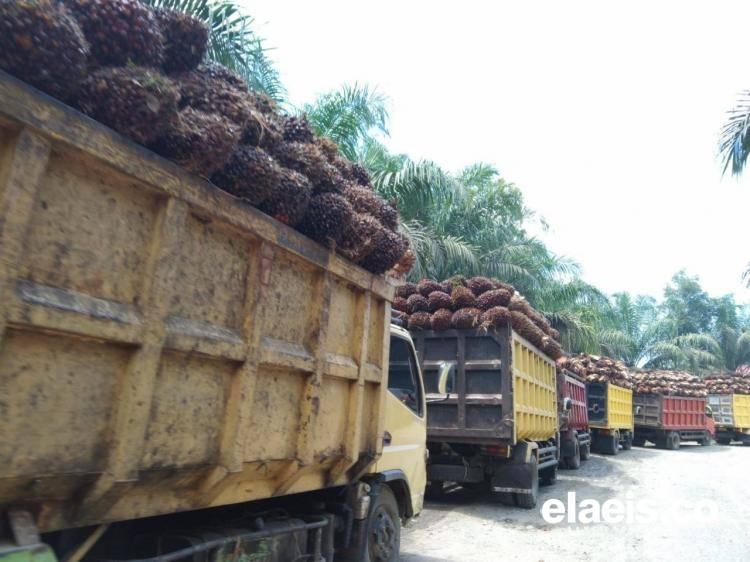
(605, 116)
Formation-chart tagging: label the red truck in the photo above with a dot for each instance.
(666, 421)
(575, 437)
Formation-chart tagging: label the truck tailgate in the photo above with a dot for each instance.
(163, 346)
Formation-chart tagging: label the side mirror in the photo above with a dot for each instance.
(638, 409)
(445, 370)
(567, 403)
(709, 411)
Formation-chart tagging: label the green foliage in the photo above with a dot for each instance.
(734, 138)
(232, 41)
(349, 116)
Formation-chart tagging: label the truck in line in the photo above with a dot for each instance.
(181, 374)
(731, 413)
(575, 436)
(667, 421)
(610, 417)
(496, 427)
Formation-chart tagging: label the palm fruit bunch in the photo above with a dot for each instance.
(42, 44)
(417, 303)
(466, 318)
(420, 321)
(360, 241)
(384, 251)
(298, 129)
(399, 318)
(479, 303)
(463, 297)
(405, 264)
(288, 203)
(119, 32)
(328, 219)
(367, 201)
(729, 383)
(494, 298)
(438, 299)
(400, 304)
(495, 317)
(307, 159)
(479, 285)
(214, 89)
(185, 40)
(250, 174)
(199, 142)
(138, 102)
(594, 368)
(669, 383)
(406, 290)
(441, 319)
(427, 286)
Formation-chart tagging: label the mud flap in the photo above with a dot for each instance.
(518, 474)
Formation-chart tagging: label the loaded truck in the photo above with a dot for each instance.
(731, 413)
(494, 425)
(666, 421)
(575, 437)
(181, 376)
(610, 417)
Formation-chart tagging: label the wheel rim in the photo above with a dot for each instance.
(382, 536)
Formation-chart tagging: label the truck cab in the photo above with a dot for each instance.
(405, 439)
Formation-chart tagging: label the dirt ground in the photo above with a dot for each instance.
(691, 504)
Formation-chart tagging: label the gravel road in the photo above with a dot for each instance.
(691, 504)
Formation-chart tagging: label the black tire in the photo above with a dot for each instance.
(573, 462)
(723, 441)
(673, 441)
(704, 441)
(383, 529)
(548, 476)
(586, 452)
(610, 444)
(505, 498)
(627, 443)
(639, 441)
(528, 501)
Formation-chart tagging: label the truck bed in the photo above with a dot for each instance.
(504, 387)
(673, 413)
(731, 410)
(610, 406)
(163, 346)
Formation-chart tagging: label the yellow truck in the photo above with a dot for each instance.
(731, 414)
(181, 375)
(493, 423)
(610, 417)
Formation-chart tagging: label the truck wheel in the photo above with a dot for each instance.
(673, 441)
(627, 443)
(610, 445)
(505, 498)
(528, 501)
(639, 441)
(704, 441)
(574, 461)
(586, 452)
(548, 476)
(723, 441)
(383, 529)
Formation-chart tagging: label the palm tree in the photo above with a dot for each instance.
(232, 41)
(734, 138)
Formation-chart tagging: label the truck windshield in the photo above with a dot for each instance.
(402, 375)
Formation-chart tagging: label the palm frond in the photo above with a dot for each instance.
(734, 140)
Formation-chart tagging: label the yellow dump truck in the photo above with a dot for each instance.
(495, 422)
(731, 413)
(181, 375)
(610, 417)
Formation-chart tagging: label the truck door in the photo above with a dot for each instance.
(404, 444)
